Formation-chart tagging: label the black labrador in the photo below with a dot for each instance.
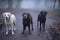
(27, 20)
(42, 19)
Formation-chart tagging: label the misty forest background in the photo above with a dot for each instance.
(30, 4)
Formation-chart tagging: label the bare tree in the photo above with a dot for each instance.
(58, 3)
(54, 3)
(10, 4)
(45, 2)
(18, 3)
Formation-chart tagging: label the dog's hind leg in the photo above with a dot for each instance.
(12, 30)
(32, 26)
(43, 26)
(9, 28)
(14, 24)
(29, 29)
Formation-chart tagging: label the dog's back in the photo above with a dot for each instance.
(13, 18)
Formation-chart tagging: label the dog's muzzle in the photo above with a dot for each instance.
(7, 18)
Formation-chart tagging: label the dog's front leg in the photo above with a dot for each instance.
(6, 29)
(40, 25)
(12, 30)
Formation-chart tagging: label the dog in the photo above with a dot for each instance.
(9, 20)
(27, 20)
(42, 19)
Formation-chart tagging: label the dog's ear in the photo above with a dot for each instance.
(3, 14)
(9, 14)
(23, 14)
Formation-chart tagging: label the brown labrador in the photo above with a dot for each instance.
(27, 20)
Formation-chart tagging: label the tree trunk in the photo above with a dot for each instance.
(54, 3)
(58, 3)
(18, 3)
(10, 4)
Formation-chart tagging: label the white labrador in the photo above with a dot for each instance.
(10, 20)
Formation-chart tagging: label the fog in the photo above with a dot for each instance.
(29, 4)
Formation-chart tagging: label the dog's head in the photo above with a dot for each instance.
(24, 15)
(7, 15)
(43, 13)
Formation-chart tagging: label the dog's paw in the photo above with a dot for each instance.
(6, 33)
(12, 33)
(14, 28)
